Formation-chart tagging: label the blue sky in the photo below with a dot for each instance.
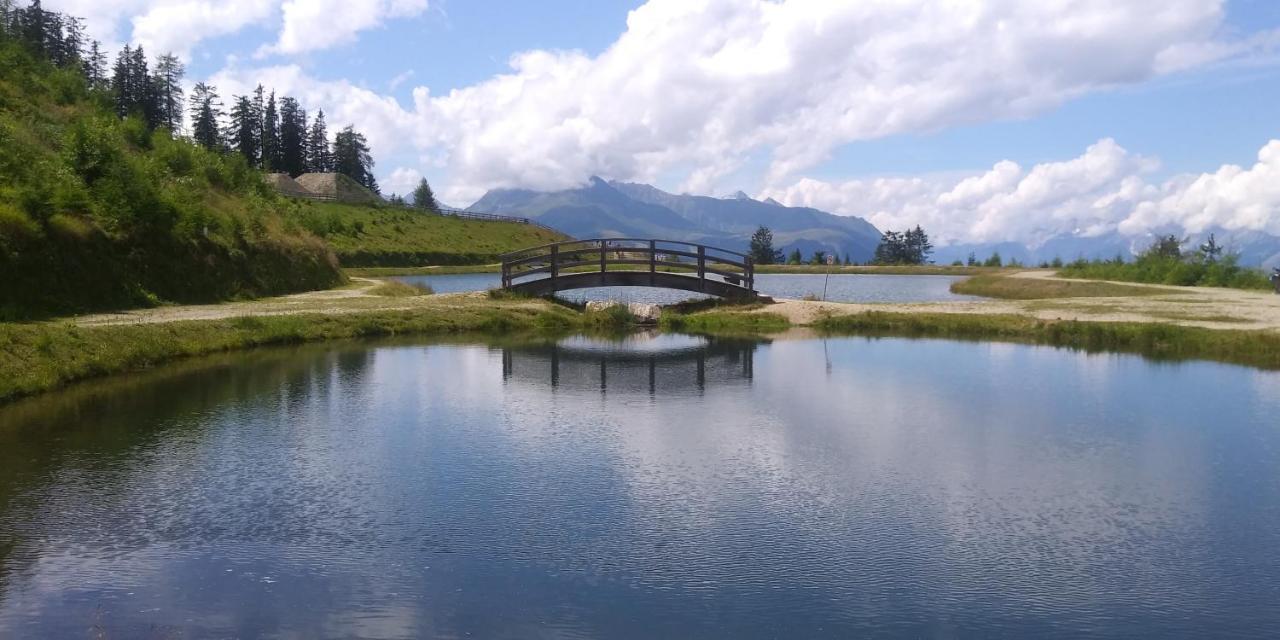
(870, 108)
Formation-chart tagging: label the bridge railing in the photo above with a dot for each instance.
(598, 255)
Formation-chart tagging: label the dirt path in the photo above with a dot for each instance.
(353, 298)
(1208, 307)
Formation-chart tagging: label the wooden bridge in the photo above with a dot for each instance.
(629, 262)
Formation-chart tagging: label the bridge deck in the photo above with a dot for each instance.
(629, 262)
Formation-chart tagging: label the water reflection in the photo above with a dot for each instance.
(685, 487)
(643, 363)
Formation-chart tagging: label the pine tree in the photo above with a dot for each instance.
(351, 157)
(762, 251)
(293, 137)
(424, 198)
(205, 113)
(319, 158)
(33, 27)
(243, 132)
(144, 99)
(95, 66)
(270, 137)
(168, 85)
(121, 77)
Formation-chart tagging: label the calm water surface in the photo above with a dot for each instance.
(840, 288)
(658, 487)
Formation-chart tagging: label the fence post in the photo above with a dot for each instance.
(653, 260)
(555, 264)
(702, 268)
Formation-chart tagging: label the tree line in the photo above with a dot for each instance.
(272, 135)
(895, 248)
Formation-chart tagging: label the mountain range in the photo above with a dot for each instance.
(611, 209)
(603, 209)
(1254, 248)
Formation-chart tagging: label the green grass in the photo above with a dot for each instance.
(37, 357)
(1167, 270)
(1157, 341)
(396, 289)
(724, 323)
(384, 236)
(995, 286)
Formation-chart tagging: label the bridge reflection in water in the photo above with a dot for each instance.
(646, 363)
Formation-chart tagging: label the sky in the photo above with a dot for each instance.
(983, 120)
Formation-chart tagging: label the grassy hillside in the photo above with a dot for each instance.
(386, 236)
(96, 212)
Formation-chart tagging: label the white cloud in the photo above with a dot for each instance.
(319, 24)
(1102, 191)
(402, 180)
(696, 88)
(179, 26)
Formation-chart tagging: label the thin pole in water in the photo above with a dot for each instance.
(830, 261)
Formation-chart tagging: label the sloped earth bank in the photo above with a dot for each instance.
(1184, 306)
(1206, 307)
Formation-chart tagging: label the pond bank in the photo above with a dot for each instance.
(1233, 326)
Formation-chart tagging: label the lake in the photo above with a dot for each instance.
(840, 288)
(657, 486)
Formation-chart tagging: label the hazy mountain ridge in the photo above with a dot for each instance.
(618, 209)
(1255, 248)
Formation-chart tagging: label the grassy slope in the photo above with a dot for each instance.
(96, 212)
(394, 237)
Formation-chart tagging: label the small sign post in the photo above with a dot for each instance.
(831, 259)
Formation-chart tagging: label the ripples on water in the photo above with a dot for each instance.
(839, 288)
(660, 487)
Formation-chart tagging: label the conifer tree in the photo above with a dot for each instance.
(293, 137)
(168, 85)
(270, 137)
(242, 134)
(205, 113)
(120, 81)
(319, 158)
(424, 198)
(351, 157)
(95, 66)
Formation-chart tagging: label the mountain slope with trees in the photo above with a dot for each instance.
(102, 207)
